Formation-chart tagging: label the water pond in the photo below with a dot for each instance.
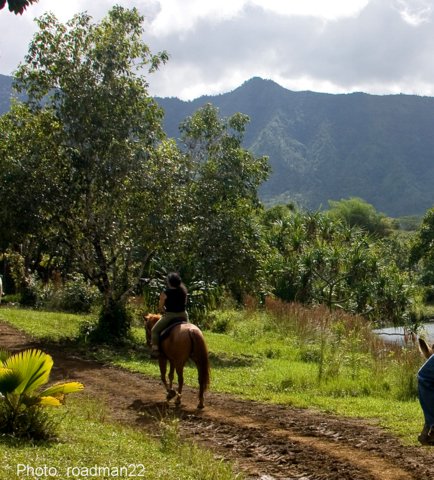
(396, 334)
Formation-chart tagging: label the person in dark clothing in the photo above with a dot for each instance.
(173, 304)
(425, 379)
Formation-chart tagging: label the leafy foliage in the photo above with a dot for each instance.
(422, 253)
(17, 6)
(223, 203)
(74, 295)
(356, 212)
(317, 260)
(95, 165)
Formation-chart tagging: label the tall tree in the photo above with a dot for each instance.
(356, 212)
(224, 237)
(422, 253)
(102, 174)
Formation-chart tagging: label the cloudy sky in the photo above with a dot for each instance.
(334, 46)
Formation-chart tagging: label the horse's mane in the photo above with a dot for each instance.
(152, 318)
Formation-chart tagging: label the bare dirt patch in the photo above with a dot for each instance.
(264, 441)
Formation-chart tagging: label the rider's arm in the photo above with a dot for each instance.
(163, 297)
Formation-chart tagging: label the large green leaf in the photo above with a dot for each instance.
(33, 365)
(9, 380)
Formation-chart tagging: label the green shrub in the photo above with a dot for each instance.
(34, 422)
(76, 295)
(21, 401)
(30, 291)
(219, 321)
(310, 353)
(12, 298)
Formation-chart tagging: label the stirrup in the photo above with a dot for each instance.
(155, 352)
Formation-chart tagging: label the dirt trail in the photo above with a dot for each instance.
(264, 441)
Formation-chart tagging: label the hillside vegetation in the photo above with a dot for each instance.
(327, 147)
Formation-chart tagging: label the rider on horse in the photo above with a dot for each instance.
(173, 303)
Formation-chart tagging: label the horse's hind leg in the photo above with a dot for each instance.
(170, 391)
(180, 375)
(201, 404)
(171, 374)
(163, 368)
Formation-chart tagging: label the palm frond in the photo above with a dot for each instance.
(9, 380)
(62, 389)
(33, 365)
(49, 401)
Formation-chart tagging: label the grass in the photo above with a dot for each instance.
(295, 357)
(91, 447)
(53, 326)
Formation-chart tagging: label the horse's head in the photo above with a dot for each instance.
(425, 349)
(150, 320)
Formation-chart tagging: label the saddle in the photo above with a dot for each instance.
(176, 321)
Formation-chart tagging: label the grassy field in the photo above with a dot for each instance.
(88, 444)
(293, 356)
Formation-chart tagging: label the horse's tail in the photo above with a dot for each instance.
(200, 355)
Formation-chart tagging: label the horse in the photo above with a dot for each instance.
(183, 341)
(425, 349)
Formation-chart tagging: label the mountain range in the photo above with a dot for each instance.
(325, 147)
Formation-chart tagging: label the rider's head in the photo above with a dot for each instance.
(174, 280)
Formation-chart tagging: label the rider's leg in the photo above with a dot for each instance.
(426, 398)
(155, 334)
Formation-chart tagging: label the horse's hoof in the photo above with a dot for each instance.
(200, 406)
(178, 400)
(170, 394)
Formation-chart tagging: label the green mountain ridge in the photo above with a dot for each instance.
(328, 146)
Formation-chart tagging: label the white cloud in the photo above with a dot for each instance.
(177, 16)
(415, 12)
(376, 46)
(330, 10)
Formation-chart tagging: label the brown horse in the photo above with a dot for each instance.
(425, 349)
(184, 341)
